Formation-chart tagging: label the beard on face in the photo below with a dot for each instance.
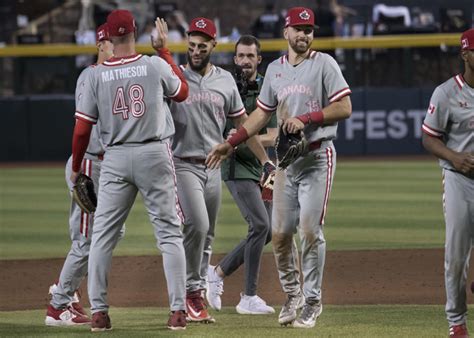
(201, 65)
(248, 70)
(299, 48)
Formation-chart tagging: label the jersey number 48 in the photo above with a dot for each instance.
(134, 104)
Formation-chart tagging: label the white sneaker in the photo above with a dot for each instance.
(215, 288)
(253, 305)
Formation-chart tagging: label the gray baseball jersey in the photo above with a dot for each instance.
(301, 192)
(121, 86)
(450, 116)
(200, 123)
(310, 86)
(200, 120)
(127, 97)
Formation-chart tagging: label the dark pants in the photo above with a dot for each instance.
(248, 197)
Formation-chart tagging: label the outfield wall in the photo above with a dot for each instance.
(385, 121)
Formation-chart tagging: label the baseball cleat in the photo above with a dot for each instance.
(288, 311)
(101, 322)
(177, 320)
(64, 317)
(253, 305)
(458, 331)
(75, 303)
(308, 316)
(215, 288)
(196, 310)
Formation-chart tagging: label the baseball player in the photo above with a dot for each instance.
(200, 122)
(126, 95)
(448, 133)
(308, 92)
(241, 174)
(64, 308)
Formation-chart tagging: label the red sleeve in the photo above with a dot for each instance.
(80, 141)
(165, 54)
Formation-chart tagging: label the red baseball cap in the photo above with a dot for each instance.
(299, 16)
(467, 39)
(102, 33)
(120, 22)
(203, 25)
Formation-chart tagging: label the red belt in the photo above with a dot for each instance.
(193, 160)
(315, 145)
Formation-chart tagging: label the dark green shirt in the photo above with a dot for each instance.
(243, 164)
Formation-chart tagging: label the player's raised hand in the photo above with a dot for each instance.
(218, 153)
(160, 36)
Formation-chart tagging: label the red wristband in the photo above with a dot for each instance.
(239, 136)
(314, 117)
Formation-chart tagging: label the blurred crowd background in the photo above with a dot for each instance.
(74, 21)
(391, 87)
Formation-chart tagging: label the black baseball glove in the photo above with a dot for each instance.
(289, 147)
(84, 195)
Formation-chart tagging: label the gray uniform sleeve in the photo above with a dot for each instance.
(86, 99)
(169, 80)
(334, 82)
(436, 119)
(80, 83)
(267, 99)
(236, 107)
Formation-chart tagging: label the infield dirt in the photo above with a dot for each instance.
(350, 277)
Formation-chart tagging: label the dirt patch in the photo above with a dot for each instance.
(350, 277)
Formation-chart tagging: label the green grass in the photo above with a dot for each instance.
(374, 205)
(336, 321)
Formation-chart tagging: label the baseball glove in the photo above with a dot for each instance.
(289, 147)
(84, 195)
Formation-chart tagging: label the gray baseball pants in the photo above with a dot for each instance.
(248, 196)
(199, 191)
(459, 217)
(300, 198)
(126, 170)
(80, 229)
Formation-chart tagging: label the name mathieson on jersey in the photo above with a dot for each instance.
(124, 73)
